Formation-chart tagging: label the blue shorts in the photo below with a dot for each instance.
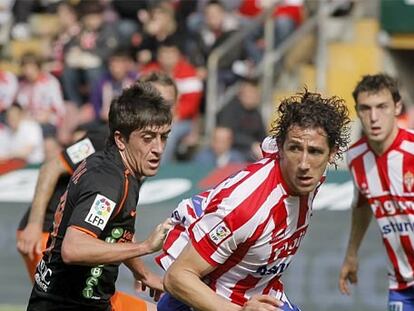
(401, 300)
(288, 306)
(169, 303)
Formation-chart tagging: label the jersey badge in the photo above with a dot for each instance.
(219, 233)
(80, 151)
(100, 211)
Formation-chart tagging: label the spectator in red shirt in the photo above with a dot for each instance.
(190, 90)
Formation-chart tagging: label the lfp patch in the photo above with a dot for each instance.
(80, 151)
(219, 233)
(100, 211)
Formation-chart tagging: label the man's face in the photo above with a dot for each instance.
(167, 93)
(249, 96)
(119, 67)
(304, 157)
(31, 71)
(214, 17)
(144, 149)
(14, 116)
(377, 112)
(222, 140)
(168, 57)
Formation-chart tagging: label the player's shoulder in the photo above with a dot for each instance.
(269, 146)
(105, 167)
(407, 134)
(356, 149)
(79, 151)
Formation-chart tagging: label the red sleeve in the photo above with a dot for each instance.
(188, 105)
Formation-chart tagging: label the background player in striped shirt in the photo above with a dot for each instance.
(382, 166)
(255, 220)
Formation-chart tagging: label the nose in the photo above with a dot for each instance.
(304, 162)
(373, 115)
(158, 146)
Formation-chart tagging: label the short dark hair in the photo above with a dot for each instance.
(376, 83)
(138, 107)
(215, 2)
(89, 7)
(121, 53)
(171, 41)
(161, 78)
(31, 58)
(312, 110)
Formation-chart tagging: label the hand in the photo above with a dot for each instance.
(153, 282)
(29, 242)
(349, 273)
(263, 303)
(156, 238)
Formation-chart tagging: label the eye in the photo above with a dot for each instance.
(293, 148)
(315, 151)
(382, 106)
(147, 138)
(363, 108)
(164, 137)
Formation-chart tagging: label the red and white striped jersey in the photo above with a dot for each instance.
(188, 211)
(250, 231)
(386, 182)
(43, 99)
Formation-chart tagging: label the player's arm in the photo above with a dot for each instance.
(82, 248)
(361, 218)
(183, 281)
(144, 277)
(29, 241)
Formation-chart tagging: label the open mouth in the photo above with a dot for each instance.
(154, 163)
(305, 180)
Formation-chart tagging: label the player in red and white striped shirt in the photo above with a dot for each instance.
(382, 166)
(254, 221)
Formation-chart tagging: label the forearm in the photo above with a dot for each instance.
(46, 183)
(79, 248)
(361, 218)
(137, 267)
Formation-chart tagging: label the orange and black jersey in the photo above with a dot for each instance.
(70, 158)
(100, 200)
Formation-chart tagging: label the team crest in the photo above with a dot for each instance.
(219, 233)
(100, 211)
(409, 180)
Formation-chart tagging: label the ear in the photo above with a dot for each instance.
(119, 140)
(398, 107)
(332, 155)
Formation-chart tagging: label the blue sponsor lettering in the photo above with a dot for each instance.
(395, 227)
(276, 269)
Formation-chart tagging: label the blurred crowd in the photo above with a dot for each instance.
(100, 47)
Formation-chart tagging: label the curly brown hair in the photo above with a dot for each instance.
(311, 110)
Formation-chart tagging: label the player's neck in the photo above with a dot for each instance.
(380, 147)
(127, 165)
